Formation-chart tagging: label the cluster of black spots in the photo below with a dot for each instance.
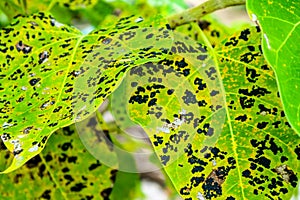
(213, 183)
(46, 195)
(34, 81)
(211, 73)
(255, 91)
(189, 98)
(246, 102)
(34, 162)
(69, 179)
(164, 159)
(230, 198)
(249, 57)
(93, 166)
(68, 131)
(207, 130)
(244, 35)
(200, 83)
(158, 140)
(215, 33)
(261, 162)
(268, 143)
(196, 180)
(214, 93)
(106, 193)
(176, 138)
(286, 174)
(185, 190)
(141, 95)
(78, 187)
(70, 159)
(181, 66)
(113, 174)
(252, 75)
(241, 118)
(202, 57)
(204, 24)
(232, 42)
(263, 109)
(106, 40)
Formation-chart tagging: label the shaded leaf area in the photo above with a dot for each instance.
(14, 7)
(280, 23)
(218, 138)
(52, 75)
(99, 139)
(64, 170)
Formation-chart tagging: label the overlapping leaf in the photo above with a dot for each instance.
(64, 170)
(280, 23)
(218, 127)
(52, 75)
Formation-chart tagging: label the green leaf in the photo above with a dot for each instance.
(76, 4)
(280, 23)
(97, 13)
(218, 127)
(52, 76)
(63, 170)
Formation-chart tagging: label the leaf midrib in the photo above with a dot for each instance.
(64, 81)
(223, 92)
(53, 177)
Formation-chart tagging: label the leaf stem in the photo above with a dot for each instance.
(52, 3)
(197, 12)
(23, 6)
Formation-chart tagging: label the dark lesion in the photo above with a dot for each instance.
(5, 156)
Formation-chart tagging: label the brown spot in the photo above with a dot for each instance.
(286, 174)
(216, 177)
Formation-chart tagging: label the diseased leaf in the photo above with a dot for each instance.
(97, 13)
(280, 23)
(52, 76)
(63, 170)
(218, 127)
